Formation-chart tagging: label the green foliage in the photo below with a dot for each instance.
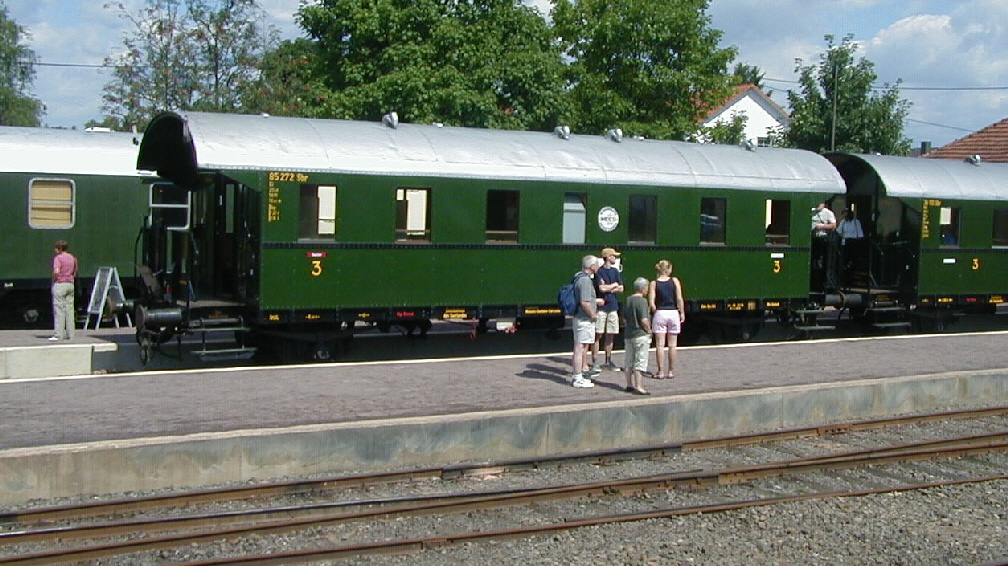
(185, 55)
(838, 109)
(651, 68)
(748, 74)
(482, 64)
(731, 132)
(17, 72)
(289, 84)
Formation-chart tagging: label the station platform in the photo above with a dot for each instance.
(112, 433)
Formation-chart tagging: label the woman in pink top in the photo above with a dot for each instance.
(64, 272)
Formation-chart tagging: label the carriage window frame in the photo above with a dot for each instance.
(37, 203)
(165, 207)
(317, 212)
(716, 235)
(642, 219)
(950, 227)
(999, 232)
(413, 218)
(575, 218)
(503, 214)
(778, 222)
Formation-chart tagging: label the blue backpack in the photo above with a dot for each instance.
(567, 298)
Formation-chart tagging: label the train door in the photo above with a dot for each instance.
(883, 258)
(233, 243)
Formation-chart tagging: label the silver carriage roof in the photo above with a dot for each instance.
(179, 146)
(914, 177)
(46, 151)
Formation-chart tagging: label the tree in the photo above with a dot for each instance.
(17, 72)
(731, 132)
(650, 68)
(748, 74)
(483, 64)
(185, 55)
(289, 83)
(839, 109)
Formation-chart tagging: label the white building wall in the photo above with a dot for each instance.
(760, 121)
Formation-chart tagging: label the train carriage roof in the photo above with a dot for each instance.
(910, 177)
(47, 151)
(178, 147)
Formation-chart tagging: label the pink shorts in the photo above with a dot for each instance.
(665, 322)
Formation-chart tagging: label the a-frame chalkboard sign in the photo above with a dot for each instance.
(107, 290)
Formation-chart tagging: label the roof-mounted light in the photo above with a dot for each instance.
(562, 132)
(391, 120)
(615, 135)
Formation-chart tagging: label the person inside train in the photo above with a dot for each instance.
(850, 226)
(823, 220)
(824, 248)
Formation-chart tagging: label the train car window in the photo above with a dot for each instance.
(413, 215)
(170, 206)
(51, 203)
(575, 218)
(502, 216)
(712, 220)
(949, 221)
(778, 222)
(317, 212)
(642, 224)
(1000, 235)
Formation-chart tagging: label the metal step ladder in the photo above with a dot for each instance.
(107, 292)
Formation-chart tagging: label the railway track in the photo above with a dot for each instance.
(165, 524)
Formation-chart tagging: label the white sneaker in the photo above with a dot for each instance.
(582, 382)
(53, 338)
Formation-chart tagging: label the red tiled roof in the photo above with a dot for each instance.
(990, 143)
(738, 92)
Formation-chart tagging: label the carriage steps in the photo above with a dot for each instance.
(808, 321)
(234, 326)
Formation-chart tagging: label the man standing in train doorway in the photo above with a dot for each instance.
(824, 248)
(608, 282)
(64, 274)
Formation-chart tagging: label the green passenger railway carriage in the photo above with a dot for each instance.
(937, 233)
(78, 186)
(299, 229)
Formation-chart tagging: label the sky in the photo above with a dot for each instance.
(952, 56)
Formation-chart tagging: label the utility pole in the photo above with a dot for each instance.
(833, 126)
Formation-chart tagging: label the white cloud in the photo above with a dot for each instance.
(932, 43)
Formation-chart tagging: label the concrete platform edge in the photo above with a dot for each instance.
(213, 458)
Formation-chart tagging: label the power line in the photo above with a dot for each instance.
(925, 88)
(77, 65)
(939, 125)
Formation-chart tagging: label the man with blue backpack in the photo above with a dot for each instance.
(584, 320)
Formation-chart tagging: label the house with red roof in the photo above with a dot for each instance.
(763, 115)
(990, 144)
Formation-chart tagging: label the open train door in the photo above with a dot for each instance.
(884, 262)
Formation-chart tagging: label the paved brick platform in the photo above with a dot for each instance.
(169, 428)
